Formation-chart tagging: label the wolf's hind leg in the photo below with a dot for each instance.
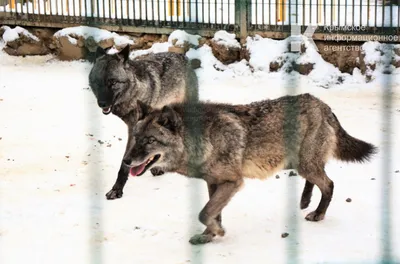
(306, 196)
(326, 187)
(209, 215)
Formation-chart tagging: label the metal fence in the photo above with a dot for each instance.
(271, 18)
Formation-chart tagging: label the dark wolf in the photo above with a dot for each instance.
(223, 144)
(156, 79)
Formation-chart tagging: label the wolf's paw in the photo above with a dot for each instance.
(315, 217)
(201, 239)
(156, 171)
(114, 194)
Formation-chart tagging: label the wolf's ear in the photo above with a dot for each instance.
(142, 110)
(169, 119)
(100, 52)
(124, 53)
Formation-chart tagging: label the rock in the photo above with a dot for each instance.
(70, 51)
(195, 63)
(277, 177)
(274, 66)
(151, 37)
(225, 54)
(283, 235)
(340, 55)
(348, 200)
(175, 49)
(27, 43)
(292, 173)
(204, 41)
(303, 69)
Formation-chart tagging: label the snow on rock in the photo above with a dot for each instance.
(263, 51)
(156, 48)
(180, 37)
(379, 59)
(226, 39)
(274, 55)
(96, 33)
(12, 34)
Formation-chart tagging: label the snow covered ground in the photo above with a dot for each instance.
(59, 155)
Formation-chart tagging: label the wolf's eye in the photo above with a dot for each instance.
(151, 140)
(112, 82)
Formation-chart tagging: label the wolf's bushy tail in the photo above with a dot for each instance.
(351, 149)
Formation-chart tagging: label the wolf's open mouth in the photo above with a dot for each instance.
(106, 110)
(139, 170)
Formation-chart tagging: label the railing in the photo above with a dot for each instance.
(270, 17)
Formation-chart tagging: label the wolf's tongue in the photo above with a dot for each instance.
(137, 170)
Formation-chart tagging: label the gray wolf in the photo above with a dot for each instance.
(223, 144)
(157, 79)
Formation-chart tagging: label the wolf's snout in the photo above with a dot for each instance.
(127, 162)
(102, 104)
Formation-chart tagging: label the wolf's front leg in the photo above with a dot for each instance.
(116, 191)
(209, 215)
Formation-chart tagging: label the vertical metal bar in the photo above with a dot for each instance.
(215, 12)
(339, 12)
(109, 9)
(172, 10)
(158, 12)
(84, 2)
(229, 12)
(376, 5)
(38, 2)
(368, 6)
(128, 16)
(209, 11)
(332, 11)
(352, 13)
(222, 12)
(361, 15)
(297, 11)
(345, 11)
(318, 14)
(190, 10)
(140, 10)
(152, 11)
(391, 14)
(283, 13)
(304, 12)
(97, 7)
(184, 12)
(310, 17)
(325, 12)
(290, 13)
(177, 11)
(146, 10)
(383, 14)
(256, 11)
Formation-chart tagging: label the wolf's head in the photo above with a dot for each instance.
(157, 140)
(108, 78)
